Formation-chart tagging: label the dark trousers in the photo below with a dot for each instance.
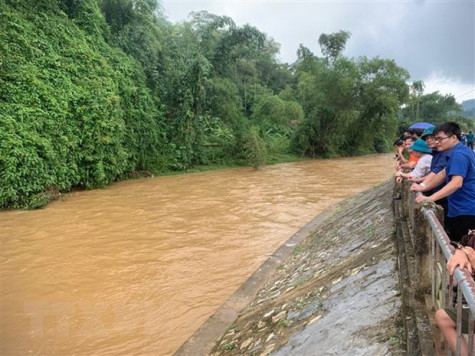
(444, 203)
(458, 226)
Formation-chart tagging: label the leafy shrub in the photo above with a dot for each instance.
(255, 148)
(74, 112)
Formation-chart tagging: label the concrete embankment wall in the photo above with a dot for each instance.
(332, 289)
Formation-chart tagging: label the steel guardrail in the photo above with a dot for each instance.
(465, 282)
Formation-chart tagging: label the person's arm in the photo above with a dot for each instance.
(428, 178)
(416, 180)
(401, 174)
(451, 187)
(401, 155)
(409, 165)
(437, 180)
(423, 182)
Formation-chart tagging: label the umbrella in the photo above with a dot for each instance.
(421, 125)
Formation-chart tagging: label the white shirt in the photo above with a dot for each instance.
(422, 167)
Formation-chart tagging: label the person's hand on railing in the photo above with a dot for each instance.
(421, 198)
(462, 258)
(417, 187)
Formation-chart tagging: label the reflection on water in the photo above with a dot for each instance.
(136, 268)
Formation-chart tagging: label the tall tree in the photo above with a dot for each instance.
(417, 89)
(332, 45)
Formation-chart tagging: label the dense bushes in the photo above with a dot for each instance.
(93, 90)
(73, 111)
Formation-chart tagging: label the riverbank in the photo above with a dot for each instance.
(331, 289)
(53, 193)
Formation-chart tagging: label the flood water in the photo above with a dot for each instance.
(134, 269)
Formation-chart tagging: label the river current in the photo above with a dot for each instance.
(135, 268)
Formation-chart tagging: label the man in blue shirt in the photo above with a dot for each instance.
(438, 163)
(459, 175)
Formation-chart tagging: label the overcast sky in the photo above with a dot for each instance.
(433, 40)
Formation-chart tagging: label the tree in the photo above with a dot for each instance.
(382, 89)
(417, 89)
(313, 136)
(332, 45)
(434, 108)
(304, 53)
(209, 29)
(255, 148)
(274, 114)
(437, 107)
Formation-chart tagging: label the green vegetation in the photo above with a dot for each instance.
(297, 250)
(229, 346)
(94, 91)
(371, 231)
(434, 108)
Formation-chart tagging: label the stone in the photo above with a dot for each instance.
(279, 316)
(270, 337)
(246, 343)
(338, 280)
(269, 314)
(314, 320)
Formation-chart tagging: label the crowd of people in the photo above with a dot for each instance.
(440, 163)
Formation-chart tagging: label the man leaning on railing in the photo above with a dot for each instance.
(459, 175)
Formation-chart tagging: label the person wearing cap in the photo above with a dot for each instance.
(459, 175)
(438, 163)
(422, 167)
(438, 158)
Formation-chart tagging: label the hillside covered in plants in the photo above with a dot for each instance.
(94, 90)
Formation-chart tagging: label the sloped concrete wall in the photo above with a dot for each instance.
(343, 285)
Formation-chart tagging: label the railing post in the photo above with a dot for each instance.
(459, 320)
(470, 332)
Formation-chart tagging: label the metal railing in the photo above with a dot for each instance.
(442, 285)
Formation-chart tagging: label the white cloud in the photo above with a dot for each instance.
(438, 81)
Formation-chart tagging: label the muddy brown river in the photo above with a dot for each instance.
(134, 269)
